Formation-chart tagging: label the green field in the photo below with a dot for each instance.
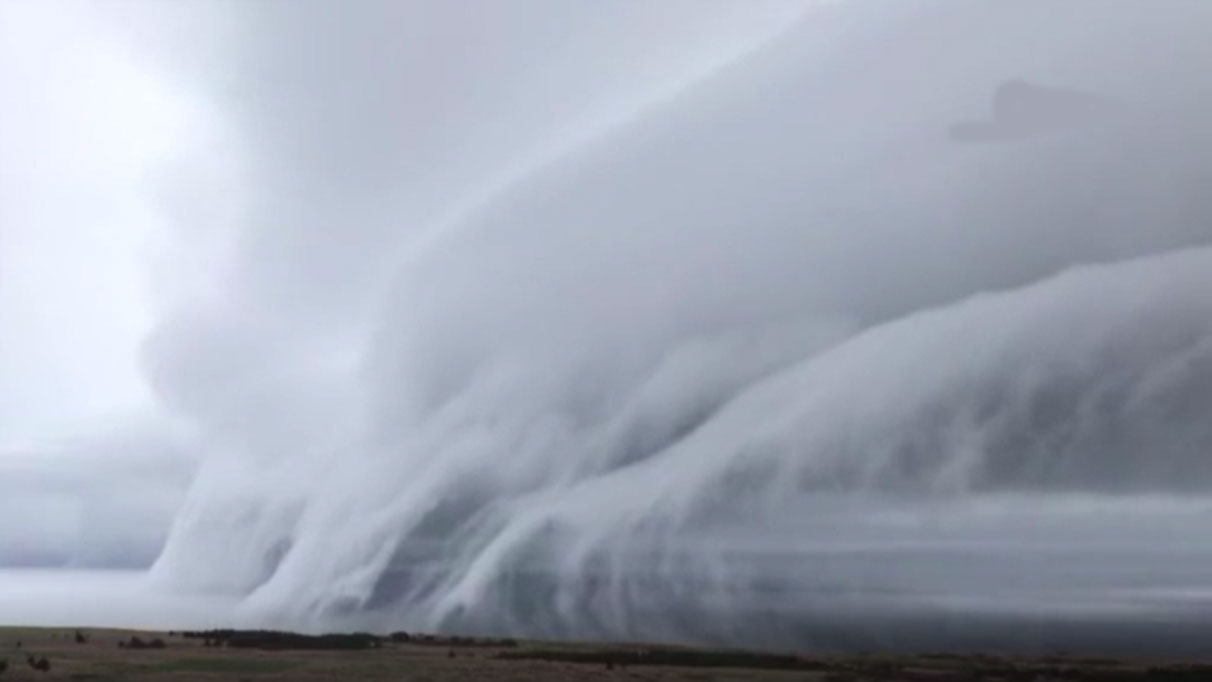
(107, 657)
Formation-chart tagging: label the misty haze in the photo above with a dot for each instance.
(786, 324)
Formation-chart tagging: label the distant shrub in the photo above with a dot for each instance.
(41, 664)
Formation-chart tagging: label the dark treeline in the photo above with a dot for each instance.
(975, 667)
(271, 639)
(684, 658)
(139, 643)
(277, 640)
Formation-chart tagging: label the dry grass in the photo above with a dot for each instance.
(186, 660)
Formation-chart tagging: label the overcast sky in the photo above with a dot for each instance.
(86, 123)
(120, 182)
(201, 203)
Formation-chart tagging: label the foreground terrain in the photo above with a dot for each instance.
(115, 655)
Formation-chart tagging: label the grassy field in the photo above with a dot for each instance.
(107, 656)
